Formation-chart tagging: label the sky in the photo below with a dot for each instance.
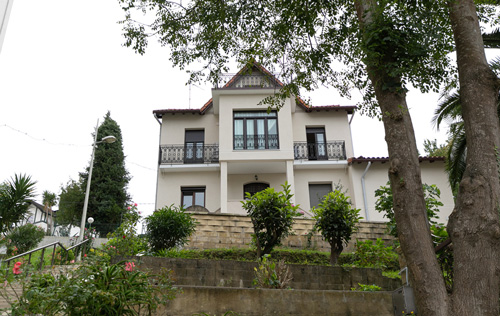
(63, 67)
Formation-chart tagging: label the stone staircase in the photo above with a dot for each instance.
(8, 295)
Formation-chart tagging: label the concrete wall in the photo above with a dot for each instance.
(240, 274)
(234, 231)
(377, 176)
(336, 126)
(170, 183)
(264, 302)
(218, 286)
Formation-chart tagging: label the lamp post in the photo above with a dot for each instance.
(109, 140)
(90, 220)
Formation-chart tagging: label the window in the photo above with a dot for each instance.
(253, 188)
(316, 143)
(193, 196)
(193, 146)
(317, 192)
(255, 130)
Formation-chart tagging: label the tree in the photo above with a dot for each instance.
(432, 149)
(15, 198)
(169, 227)
(70, 204)
(49, 200)
(450, 110)
(474, 225)
(385, 204)
(386, 45)
(108, 198)
(272, 216)
(336, 220)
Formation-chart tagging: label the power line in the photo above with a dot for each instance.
(65, 144)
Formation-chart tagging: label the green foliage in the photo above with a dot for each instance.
(109, 198)
(336, 220)
(384, 205)
(272, 275)
(169, 227)
(124, 240)
(15, 198)
(272, 216)
(95, 288)
(445, 255)
(376, 255)
(70, 204)
(23, 238)
(431, 148)
(409, 41)
(367, 288)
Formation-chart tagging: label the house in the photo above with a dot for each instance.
(211, 156)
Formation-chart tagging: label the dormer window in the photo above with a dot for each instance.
(255, 130)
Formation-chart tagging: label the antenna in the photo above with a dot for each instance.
(190, 92)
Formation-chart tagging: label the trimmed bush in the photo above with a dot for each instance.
(169, 227)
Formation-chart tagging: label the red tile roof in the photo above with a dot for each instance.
(362, 159)
(300, 102)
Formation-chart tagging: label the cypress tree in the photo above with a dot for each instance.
(108, 196)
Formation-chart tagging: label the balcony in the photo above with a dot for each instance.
(332, 150)
(183, 154)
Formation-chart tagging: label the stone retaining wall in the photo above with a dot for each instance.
(239, 274)
(234, 231)
(264, 302)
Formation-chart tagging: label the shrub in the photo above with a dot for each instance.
(272, 275)
(376, 255)
(272, 216)
(169, 227)
(94, 288)
(23, 238)
(124, 240)
(367, 288)
(336, 220)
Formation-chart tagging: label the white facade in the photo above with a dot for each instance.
(209, 156)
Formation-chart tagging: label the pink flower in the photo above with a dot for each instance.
(85, 255)
(301, 213)
(128, 208)
(129, 266)
(72, 261)
(123, 236)
(16, 269)
(135, 204)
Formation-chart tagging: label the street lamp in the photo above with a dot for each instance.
(109, 140)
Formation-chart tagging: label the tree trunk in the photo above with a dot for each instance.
(406, 182)
(474, 224)
(335, 251)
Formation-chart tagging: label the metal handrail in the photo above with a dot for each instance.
(42, 257)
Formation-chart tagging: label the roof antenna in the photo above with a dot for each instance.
(190, 92)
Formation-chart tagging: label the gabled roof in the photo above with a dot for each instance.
(278, 83)
(362, 159)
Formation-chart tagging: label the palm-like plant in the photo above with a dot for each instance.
(49, 200)
(449, 110)
(15, 197)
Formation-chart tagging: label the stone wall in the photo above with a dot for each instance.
(239, 274)
(264, 302)
(234, 231)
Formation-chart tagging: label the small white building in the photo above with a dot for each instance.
(211, 156)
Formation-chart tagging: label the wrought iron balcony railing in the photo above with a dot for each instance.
(332, 150)
(258, 141)
(185, 154)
